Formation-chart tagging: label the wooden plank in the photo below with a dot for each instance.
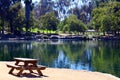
(34, 67)
(14, 66)
(41, 67)
(25, 59)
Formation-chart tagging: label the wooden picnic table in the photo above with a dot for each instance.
(28, 64)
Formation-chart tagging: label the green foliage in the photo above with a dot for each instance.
(49, 21)
(5, 6)
(72, 24)
(106, 17)
(15, 17)
(107, 59)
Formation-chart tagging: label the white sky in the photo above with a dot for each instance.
(76, 1)
(35, 1)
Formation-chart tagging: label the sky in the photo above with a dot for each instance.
(33, 1)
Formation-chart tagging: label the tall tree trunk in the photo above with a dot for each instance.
(103, 33)
(11, 27)
(2, 25)
(27, 14)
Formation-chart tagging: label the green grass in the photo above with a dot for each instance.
(35, 30)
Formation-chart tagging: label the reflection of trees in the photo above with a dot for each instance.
(49, 54)
(9, 50)
(62, 61)
(46, 53)
(76, 53)
(105, 57)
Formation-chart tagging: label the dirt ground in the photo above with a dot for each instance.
(54, 74)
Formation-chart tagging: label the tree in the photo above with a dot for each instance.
(13, 17)
(4, 7)
(72, 24)
(4, 10)
(28, 8)
(84, 13)
(33, 22)
(106, 17)
(49, 21)
(43, 7)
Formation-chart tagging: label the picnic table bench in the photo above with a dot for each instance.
(29, 64)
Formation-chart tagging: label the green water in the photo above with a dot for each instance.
(102, 56)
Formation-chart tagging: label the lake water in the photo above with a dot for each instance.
(102, 56)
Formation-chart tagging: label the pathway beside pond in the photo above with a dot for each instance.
(56, 74)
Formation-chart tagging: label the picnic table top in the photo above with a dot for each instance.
(25, 59)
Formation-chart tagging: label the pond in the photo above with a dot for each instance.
(102, 56)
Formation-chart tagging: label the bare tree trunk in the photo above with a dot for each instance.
(27, 13)
(2, 25)
(11, 27)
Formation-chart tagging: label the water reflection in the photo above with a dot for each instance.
(80, 55)
(62, 60)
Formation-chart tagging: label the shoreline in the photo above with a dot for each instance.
(35, 36)
(56, 74)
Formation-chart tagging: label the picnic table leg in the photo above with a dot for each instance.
(39, 71)
(11, 70)
(20, 72)
(31, 71)
(17, 62)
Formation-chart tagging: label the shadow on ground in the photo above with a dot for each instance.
(30, 75)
